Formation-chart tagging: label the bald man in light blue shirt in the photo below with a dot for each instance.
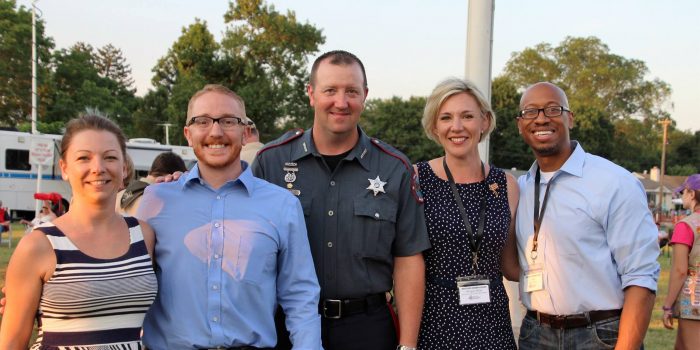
(586, 239)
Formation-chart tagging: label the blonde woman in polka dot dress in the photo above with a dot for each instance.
(476, 315)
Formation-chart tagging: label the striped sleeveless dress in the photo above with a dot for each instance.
(95, 304)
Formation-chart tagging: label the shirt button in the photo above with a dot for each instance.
(215, 287)
(330, 244)
(332, 183)
(216, 224)
(215, 319)
(330, 213)
(218, 197)
(216, 256)
(376, 215)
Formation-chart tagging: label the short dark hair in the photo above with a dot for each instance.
(337, 57)
(91, 122)
(167, 163)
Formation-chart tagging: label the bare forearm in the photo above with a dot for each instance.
(636, 313)
(409, 288)
(675, 283)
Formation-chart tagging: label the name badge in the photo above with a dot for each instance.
(473, 290)
(534, 278)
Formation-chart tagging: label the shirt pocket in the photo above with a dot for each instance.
(255, 261)
(375, 224)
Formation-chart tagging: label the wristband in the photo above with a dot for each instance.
(667, 308)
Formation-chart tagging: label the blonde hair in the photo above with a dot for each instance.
(444, 90)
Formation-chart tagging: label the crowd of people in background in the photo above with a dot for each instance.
(330, 238)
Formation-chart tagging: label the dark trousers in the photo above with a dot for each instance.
(373, 330)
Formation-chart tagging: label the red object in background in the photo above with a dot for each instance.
(54, 198)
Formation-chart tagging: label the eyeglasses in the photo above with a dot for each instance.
(551, 112)
(204, 123)
(45, 208)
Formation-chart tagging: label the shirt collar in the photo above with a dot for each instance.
(246, 178)
(573, 165)
(360, 151)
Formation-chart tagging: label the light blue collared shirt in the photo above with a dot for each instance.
(597, 236)
(225, 257)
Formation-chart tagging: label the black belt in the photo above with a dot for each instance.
(339, 308)
(573, 321)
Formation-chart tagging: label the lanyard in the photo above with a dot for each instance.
(537, 221)
(474, 239)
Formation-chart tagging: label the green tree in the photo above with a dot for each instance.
(111, 64)
(635, 147)
(269, 51)
(189, 64)
(508, 150)
(15, 63)
(76, 84)
(194, 52)
(683, 153)
(263, 57)
(398, 122)
(616, 108)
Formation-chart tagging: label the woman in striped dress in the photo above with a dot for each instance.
(87, 276)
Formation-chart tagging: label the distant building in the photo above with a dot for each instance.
(650, 180)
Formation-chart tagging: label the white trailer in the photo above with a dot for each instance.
(18, 177)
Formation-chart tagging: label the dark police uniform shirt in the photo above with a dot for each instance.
(354, 234)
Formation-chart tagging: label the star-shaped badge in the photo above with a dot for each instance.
(376, 185)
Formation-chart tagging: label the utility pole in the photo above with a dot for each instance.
(665, 123)
(167, 132)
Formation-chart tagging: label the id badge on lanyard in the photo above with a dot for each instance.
(534, 274)
(534, 278)
(473, 290)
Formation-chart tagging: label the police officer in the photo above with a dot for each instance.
(363, 213)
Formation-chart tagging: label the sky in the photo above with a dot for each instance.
(408, 46)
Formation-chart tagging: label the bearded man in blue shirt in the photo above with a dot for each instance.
(224, 259)
(587, 243)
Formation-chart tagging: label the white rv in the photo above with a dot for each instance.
(18, 177)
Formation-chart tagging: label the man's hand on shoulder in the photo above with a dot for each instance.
(169, 178)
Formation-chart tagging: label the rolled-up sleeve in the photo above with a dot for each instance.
(632, 236)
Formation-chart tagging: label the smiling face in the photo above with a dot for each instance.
(548, 137)
(216, 148)
(338, 97)
(94, 165)
(459, 125)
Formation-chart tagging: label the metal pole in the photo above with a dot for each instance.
(665, 123)
(479, 47)
(478, 70)
(37, 204)
(34, 130)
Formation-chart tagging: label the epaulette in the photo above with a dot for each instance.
(132, 192)
(415, 184)
(287, 137)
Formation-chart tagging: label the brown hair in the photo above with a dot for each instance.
(91, 122)
(215, 88)
(337, 58)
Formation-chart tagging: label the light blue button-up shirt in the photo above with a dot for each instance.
(597, 236)
(224, 259)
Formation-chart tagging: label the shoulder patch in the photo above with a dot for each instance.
(133, 191)
(287, 137)
(415, 185)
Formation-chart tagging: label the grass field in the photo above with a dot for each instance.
(658, 338)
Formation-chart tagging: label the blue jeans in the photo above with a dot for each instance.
(599, 335)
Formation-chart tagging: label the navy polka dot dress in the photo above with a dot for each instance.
(445, 323)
